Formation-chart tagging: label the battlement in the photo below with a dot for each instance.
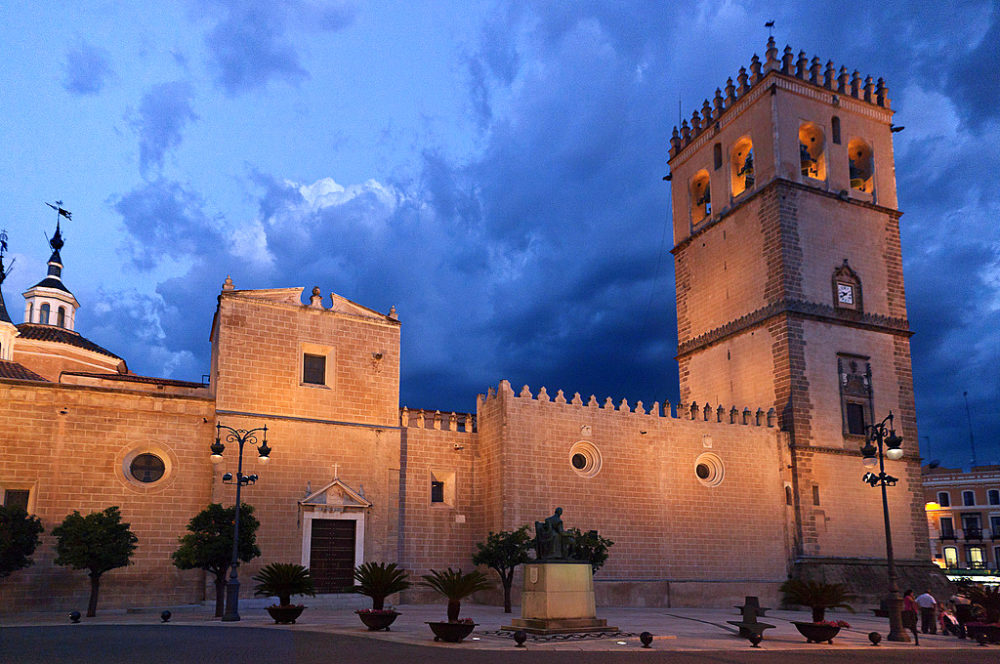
(811, 72)
(693, 412)
(435, 419)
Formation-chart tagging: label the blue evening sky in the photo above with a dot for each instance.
(491, 169)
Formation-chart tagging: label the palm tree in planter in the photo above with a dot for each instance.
(819, 597)
(282, 580)
(455, 586)
(378, 581)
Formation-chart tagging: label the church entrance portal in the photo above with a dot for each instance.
(331, 555)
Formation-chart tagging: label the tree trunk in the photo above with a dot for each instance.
(95, 586)
(454, 606)
(819, 612)
(220, 594)
(378, 603)
(507, 581)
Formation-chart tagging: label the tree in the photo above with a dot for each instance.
(817, 595)
(97, 542)
(591, 547)
(209, 545)
(503, 552)
(455, 587)
(18, 539)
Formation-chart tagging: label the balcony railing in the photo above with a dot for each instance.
(973, 534)
(948, 535)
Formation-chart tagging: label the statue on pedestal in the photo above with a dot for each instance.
(552, 542)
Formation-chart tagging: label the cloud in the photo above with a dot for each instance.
(86, 70)
(163, 113)
(250, 43)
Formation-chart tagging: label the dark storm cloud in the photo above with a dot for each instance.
(86, 69)
(544, 260)
(164, 220)
(163, 113)
(250, 44)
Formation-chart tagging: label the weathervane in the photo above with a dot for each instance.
(3, 250)
(56, 241)
(770, 28)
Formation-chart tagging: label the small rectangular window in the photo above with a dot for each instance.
(944, 499)
(995, 526)
(968, 498)
(835, 123)
(855, 419)
(314, 369)
(994, 497)
(815, 494)
(16, 498)
(947, 527)
(437, 492)
(718, 156)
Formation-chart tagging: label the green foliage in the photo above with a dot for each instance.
(18, 539)
(817, 595)
(590, 546)
(503, 552)
(379, 580)
(97, 542)
(209, 544)
(282, 580)
(455, 586)
(985, 597)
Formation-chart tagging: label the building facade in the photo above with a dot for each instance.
(792, 339)
(963, 517)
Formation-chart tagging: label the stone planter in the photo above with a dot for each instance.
(452, 632)
(377, 621)
(816, 633)
(286, 615)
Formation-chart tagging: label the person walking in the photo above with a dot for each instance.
(910, 615)
(928, 611)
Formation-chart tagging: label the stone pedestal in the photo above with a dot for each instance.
(558, 598)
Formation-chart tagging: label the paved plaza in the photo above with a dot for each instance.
(334, 634)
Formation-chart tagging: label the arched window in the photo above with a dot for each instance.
(31, 313)
(61, 317)
(835, 129)
(846, 289)
(43, 314)
(862, 165)
(701, 197)
(812, 151)
(741, 168)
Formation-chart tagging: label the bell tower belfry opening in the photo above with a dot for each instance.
(803, 217)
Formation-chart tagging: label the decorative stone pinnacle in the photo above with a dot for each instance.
(228, 284)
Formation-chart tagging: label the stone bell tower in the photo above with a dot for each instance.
(790, 286)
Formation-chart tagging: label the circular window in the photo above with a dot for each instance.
(585, 459)
(709, 470)
(147, 467)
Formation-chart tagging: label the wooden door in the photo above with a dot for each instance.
(331, 555)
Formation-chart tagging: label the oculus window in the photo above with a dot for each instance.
(147, 468)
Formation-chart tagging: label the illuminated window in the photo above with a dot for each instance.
(741, 167)
(812, 151)
(861, 165)
(950, 557)
(976, 557)
(701, 197)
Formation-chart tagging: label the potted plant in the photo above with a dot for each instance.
(282, 580)
(819, 597)
(378, 581)
(455, 586)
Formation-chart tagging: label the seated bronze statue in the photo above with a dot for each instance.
(552, 542)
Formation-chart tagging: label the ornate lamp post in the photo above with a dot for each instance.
(240, 437)
(882, 442)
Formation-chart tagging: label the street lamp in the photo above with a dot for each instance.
(881, 442)
(240, 437)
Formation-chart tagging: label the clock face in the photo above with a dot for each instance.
(845, 293)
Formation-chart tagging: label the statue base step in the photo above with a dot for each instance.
(546, 626)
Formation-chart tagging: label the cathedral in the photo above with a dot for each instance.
(792, 339)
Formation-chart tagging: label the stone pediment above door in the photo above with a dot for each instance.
(335, 497)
